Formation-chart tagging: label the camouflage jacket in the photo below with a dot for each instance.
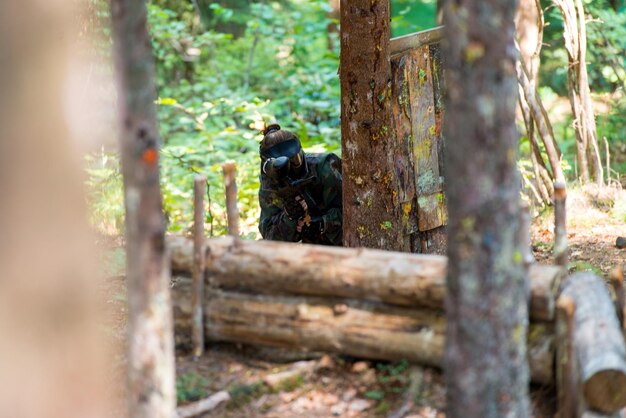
(323, 196)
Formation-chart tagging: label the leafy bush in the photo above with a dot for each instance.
(190, 387)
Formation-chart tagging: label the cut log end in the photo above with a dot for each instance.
(229, 167)
(566, 304)
(600, 349)
(606, 391)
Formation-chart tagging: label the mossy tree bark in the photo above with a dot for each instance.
(485, 362)
(151, 344)
(371, 187)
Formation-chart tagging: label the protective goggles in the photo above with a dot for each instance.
(288, 149)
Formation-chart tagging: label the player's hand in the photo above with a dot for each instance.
(296, 208)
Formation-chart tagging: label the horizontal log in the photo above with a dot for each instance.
(415, 40)
(271, 267)
(357, 328)
(599, 345)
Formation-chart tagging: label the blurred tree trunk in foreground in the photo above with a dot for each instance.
(49, 351)
(575, 35)
(485, 362)
(370, 185)
(151, 341)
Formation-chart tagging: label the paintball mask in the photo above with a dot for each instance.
(284, 160)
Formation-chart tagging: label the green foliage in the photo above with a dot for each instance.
(377, 395)
(392, 380)
(190, 387)
(619, 208)
(217, 86)
(105, 192)
(243, 393)
(224, 68)
(582, 267)
(606, 43)
(408, 16)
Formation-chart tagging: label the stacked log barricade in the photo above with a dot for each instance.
(387, 305)
(365, 303)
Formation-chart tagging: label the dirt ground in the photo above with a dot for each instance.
(273, 383)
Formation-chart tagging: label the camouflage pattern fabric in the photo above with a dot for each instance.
(323, 197)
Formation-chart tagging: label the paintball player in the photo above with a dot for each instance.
(300, 193)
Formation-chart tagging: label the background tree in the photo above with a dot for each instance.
(485, 361)
(369, 181)
(151, 340)
(529, 26)
(575, 35)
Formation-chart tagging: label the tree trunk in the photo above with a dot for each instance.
(574, 33)
(593, 153)
(529, 28)
(540, 116)
(486, 306)
(599, 344)
(539, 168)
(371, 186)
(151, 347)
(357, 328)
(270, 267)
(50, 300)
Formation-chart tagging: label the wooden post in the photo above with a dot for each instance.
(197, 295)
(567, 386)
(230, 184)
(560, 225)
(525, 234)
(617, 280)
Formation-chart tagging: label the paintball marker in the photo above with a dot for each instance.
(286, 189)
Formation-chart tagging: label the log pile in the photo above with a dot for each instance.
(591, 360)
(270, 267)
(366, 303)
(386, 305)
(358, 328)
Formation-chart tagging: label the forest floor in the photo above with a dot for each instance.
(277, 383)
